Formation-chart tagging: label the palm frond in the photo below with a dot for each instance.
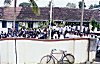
(35, 8)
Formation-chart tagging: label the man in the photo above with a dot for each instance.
(98, 48)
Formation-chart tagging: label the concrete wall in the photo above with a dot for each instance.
(30, 51)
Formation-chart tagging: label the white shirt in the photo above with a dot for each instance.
(55, 36)
(67, 35)
(61, 36)
(98, 45)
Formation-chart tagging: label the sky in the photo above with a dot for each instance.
(56, 3)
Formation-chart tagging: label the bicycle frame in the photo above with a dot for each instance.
(63, 54)
(55, 59)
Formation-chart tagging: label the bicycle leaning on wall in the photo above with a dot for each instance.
(65, 58)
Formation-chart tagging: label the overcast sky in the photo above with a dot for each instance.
(57, 3)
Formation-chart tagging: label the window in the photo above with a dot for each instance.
(4, 24)
(30, 24)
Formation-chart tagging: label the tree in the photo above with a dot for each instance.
(95, 6)
(7, 2)
(49, 4)
(91, 6)
(71, 5)
(35, 8)
(25, 4)
(80, 4)
(94, 24)
(99, 2)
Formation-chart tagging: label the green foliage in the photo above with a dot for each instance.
(80, 4)
(91, 6)
(7, 2)
(25, 4)
(94, 24)
(98, 26)
(43, 24)
(46, 24)
(71, 5)
(61, 24)
(40, 24)
(94, 6)
(20, 25)
(35, 8)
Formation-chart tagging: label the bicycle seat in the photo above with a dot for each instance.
(63, 51)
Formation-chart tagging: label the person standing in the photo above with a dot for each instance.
(98, 48)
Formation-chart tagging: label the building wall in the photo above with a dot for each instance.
(5, 30)
(0, 24)
(9, 24)
(35, 24)
(26, 24)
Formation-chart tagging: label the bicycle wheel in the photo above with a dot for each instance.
(68, 59)
(47, 60)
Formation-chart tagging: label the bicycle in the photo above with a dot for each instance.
(65, 58)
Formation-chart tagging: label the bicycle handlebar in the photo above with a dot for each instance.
(53, 50)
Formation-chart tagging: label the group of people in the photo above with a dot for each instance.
(25, 33)
(44, 33)
(71, 32)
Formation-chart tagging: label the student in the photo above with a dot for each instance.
(55, 36)
(61, 36)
